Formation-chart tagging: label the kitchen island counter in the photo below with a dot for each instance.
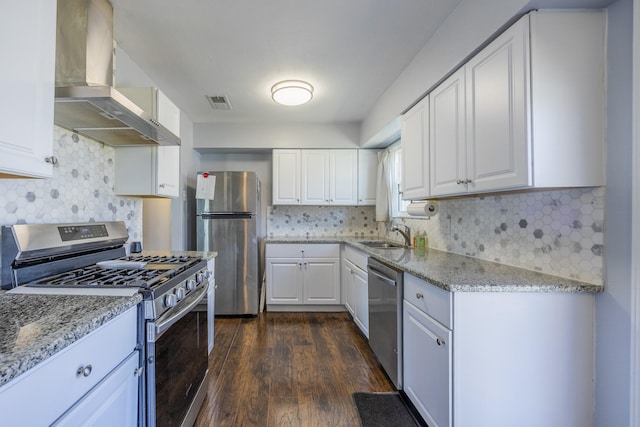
(453, 272)
(35, 327)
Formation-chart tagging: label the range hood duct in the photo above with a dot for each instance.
(85, 99)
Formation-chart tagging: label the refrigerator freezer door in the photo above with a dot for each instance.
(234, 192)
(237, 281)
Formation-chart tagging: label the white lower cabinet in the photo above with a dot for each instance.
(498, 358)
(303, 274)
(113, 402)
(355, 287)
(427, 365)
(70, 387)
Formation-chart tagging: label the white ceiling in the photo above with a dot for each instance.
(349, 50)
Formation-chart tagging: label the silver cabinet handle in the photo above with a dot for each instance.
(51, 159)
(439, 341)
(85, 371)
(419, 295)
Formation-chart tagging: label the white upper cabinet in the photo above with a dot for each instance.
(27, 75)
(415, 152)
(286, 177)
(367, 176)
(147, 171)
(343, 177)
(527, 111)
(315, 177)
(447, 137)
(157, 104)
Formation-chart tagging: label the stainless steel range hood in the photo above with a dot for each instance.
(85, 100)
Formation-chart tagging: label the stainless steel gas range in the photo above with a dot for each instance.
(90, 259)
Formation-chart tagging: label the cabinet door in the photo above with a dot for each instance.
(284, 281)
(315, 177)
(367, 176)
(361, 300)
(168, 113)
(27, 85)
(321, 281)
(349, 288)
(112, 402)
(343, 177)
(168, 171)
(427, 366)
(415, 152)
(497, 101)
(447, 140)
(286, 177)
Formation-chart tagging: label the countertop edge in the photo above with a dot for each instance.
(538, 282)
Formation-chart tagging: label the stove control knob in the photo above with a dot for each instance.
(170, 300)
(180, 292)
(191, 284)
(200, 277)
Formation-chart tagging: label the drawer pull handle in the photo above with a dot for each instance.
(85, 370)
(419, 295)
(439, 341)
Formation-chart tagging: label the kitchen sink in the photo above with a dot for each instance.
(381, 244)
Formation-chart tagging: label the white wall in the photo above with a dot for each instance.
(183, 225)
(237, 136)
(462, 33)
(613, 305)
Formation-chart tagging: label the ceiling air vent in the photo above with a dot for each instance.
(219, 102)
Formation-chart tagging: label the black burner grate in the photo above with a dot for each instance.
(158, 270)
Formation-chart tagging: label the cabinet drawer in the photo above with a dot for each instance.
(357, 257)
(430, 299)
(293, 250)
(54, 385)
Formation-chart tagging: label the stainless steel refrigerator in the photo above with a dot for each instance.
(228, 224)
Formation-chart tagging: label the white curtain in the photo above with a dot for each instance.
(383, 186)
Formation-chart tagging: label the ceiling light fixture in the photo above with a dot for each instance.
(292, 92)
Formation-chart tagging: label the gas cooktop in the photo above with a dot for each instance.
(144, 272)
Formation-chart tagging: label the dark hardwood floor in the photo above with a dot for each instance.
(288, 369)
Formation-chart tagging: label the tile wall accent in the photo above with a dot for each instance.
(554, 232)
(316, 221)
(81, 189)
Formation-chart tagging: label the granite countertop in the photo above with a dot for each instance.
(456, 273)
(35, 327)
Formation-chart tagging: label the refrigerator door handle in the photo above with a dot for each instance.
(226, 215)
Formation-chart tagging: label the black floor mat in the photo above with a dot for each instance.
(383, 410)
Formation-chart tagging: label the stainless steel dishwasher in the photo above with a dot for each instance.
(385, 317)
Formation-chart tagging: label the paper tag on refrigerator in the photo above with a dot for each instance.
(206, 186)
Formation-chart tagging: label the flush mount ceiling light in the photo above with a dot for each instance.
(292, 92)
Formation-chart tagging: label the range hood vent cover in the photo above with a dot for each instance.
(85, 100)
(219, 102)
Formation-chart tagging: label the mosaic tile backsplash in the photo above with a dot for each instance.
(81, 189)
(554, 232)
(316, 221)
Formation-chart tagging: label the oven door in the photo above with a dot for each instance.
(177, 361)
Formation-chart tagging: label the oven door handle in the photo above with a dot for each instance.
(163, 325)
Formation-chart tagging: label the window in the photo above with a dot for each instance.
(398, 206)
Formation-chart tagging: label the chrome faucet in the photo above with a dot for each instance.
(406, 234)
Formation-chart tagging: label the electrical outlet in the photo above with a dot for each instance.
(446, 225)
